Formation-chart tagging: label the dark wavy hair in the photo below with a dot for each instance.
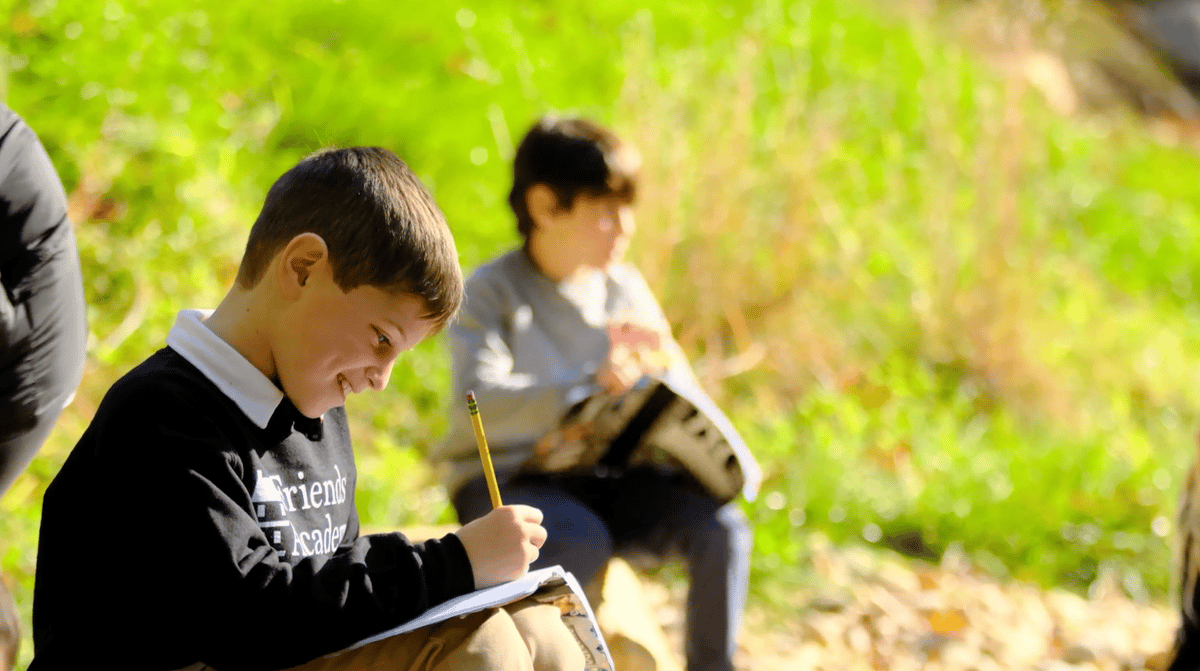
(381, 225)
(571, 155)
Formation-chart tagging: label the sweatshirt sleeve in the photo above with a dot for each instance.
(43, 332)
(318, 605)
(520, 408)
(195, 575)
(647, 309)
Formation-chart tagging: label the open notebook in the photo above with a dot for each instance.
(552, 585)
(664, 422)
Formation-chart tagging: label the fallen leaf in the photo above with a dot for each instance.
(928, 580)
(946, 621)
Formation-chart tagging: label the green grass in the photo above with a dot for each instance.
(977, 317)
(976, 314)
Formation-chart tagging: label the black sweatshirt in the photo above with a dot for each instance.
(179, 531)
(43, 330)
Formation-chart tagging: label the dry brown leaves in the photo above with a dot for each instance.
(882, 612)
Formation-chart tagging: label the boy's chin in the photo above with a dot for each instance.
(607, 263)
(315, 409)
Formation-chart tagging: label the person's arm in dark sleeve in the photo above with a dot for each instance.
(43, 330)
(312, 608)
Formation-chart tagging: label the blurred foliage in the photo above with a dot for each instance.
(972, 317)
(941, 310)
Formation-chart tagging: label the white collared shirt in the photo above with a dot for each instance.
(224, 366)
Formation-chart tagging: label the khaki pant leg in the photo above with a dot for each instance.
(483, 641)
(551, 645)
(494, 645)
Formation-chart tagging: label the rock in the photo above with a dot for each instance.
(632, 630)
(829, 603)
(1078, 654)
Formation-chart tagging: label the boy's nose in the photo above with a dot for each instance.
(378, 377)
(625, 220)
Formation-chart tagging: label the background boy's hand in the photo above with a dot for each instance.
(634, 335)
(619, 371)
(503, 543)
(635, 350)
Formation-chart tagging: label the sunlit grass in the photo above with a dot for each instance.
(973, 314)
(939, 308)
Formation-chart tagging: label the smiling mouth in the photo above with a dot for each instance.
(345, 386)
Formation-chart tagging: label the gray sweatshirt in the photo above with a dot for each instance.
(529, 348)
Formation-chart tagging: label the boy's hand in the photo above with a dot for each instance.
(619, 371)
(634, 350)
(503, 543)
(634, 336)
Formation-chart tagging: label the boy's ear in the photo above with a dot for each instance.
(542, 204)
(304, 255)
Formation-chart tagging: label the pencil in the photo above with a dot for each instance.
(486, 457)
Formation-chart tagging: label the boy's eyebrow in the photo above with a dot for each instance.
(394, 324)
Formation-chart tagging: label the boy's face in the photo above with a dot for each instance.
(596, 229)
(337, 343)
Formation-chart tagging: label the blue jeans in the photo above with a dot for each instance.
(591, 518)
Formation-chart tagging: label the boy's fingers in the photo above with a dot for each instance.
(538, 537)
(528, 514)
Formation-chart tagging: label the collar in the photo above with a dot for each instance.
(225, 367)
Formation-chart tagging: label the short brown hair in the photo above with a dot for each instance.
(380, 224)
(571, 155)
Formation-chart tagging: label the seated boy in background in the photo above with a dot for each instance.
(206, 518)
(538, 333)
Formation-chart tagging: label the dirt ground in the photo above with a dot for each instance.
(884, 612)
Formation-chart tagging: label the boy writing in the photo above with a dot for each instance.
(554, 321)
(206, 517)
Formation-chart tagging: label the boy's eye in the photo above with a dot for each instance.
(383, 339)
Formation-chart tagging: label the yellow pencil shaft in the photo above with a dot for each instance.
(489, 472)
